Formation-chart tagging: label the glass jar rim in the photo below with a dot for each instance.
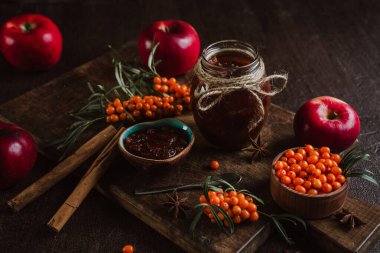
(229, 45)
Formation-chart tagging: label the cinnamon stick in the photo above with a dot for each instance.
(62, 169)
(88, 181)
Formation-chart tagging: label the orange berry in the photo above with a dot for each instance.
(172, 81)
(136, 113)
(281, 173)
(213, 221)
(250, 199)
(298, 181)
(214, 165)
(302, 152)
(207, 210)
(284, 159)
(148, 113)
(316, 172)
(110, 110)
(254, 216)
(326, 188)
(310, 168)
(312, 192)
(336, 171)
(157, 80)
(243, 203)
(125, 104)
(187, 100)
(317, 183)
(236, 210)
(286, 180)
(164, 80)
(240, 196)
(179, 108)
(313, 159)
(325, 150)
(120, 109)
(328, 163)
(108, 119)
(303, 164)
(225, 206)
(336, 158)
(291, 174)
(232, 194)
(236, 219)
(114, 118)
(117, 102)
(289, 153)
(341, 179)
(336, 185)
(166, 105)
(123, 116)
(139, 106)
(227, 199)
(309, 148)
(234, 201)
(300, 188)
(157, 87)
(146, 106)
(244, 214)
(153, 108)
(292, 161)
(128, 249)
(323, 178)
(302, 174)
(251, 207)
(298, 157)
(211, 194)
(321, 166)
(314, 152)
(221, 216)
(296, 168)
(330, 178)
(131, 106)
(326, 155)
(278, 165)
(202, 199)
(307, 184)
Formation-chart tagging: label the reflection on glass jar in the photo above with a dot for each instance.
(231, 93)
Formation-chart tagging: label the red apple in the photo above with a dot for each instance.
(31, 42)
(18, 154)
(327, 121)
(178, 50)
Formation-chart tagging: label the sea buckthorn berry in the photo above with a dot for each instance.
(232, 194)
(330, 178)
(211, 194)
(286, 180)
(334, 164)
(148, 113)
(323, 178)
(187, 100)
(303, 164)
(234, 201)
(206, 210)
(313, 159)
(214, 164)
(310, 168)
(236, 210)
(221, 197)
(254, 216)
(202, 199)
(309, 148)
(251, 207)
(307, 184)
(213, 221)
(302, 174)
(236, 219)
(128, 249)
(302, 152)
(243, 203)
(120, 109)
(108, 119)
(157, 80)
(110, 110)
(229, 212)
(117, 102)
(225, 206)
(164, 80)
(136, 113)
(296, 168)
(289, 153)
(336, 185)
(312, 192)
(241, 196)
(292, 160)
(164, 89)
(320, 166)
(314, 152)
(278, 165)
(146, 106)
(341, 179)
(291, 174)
(244, 214)
(139, 106)
(298, 181)
(172, 81)
(317, 183)
(326, 155)
(300, 188)
(284, 159)
(281, 173)
(131, 106)
(179, 108)
(324, 150)
(250, 199)
(336, 158)
(123, 116)
(316, 172)
(114, 118)
(221, 216)
(227, 199)
(298, 157)
(326, 188)
(336, 171)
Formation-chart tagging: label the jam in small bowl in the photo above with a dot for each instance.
(156, 144)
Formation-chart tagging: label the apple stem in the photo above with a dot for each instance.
(28, 27)
(332, 115)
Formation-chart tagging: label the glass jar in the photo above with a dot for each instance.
(230, 94)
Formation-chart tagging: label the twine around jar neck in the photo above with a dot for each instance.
(219, 87)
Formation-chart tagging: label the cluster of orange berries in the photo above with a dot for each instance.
(151, 107)
(237, 205)
(309, 170)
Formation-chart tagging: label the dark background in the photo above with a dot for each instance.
(328, 48)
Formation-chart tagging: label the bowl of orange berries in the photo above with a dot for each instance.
(308, 182)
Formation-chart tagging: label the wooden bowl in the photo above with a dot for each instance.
(146, 163)
(304, 205)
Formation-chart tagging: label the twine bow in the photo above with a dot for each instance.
(218, 87)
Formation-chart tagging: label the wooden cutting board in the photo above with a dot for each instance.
(44, 111)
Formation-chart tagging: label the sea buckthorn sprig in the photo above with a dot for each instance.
(229, 207)
(318, 171)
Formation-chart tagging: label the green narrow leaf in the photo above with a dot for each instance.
(228, 218)
(195, 222)
(248, 193)
(363, 176)
(224, 182)
(151, 64)
(282, 231)
(218, 221)
(293, 218)
(205, 188)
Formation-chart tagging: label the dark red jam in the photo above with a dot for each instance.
(157, 143)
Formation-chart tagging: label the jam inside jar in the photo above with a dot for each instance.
(234, 118)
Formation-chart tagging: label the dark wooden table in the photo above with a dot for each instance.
(328, 47)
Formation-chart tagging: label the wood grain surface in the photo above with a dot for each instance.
(329, 48)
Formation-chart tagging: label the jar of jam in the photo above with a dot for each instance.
(231, 93)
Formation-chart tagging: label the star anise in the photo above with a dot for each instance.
(176, 205)
(348, 218)
(257, 148)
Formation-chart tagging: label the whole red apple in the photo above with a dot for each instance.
(31, 42)
(178, 49)
(18, 154)
(326, 121)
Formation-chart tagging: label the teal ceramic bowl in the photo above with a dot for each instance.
(146, 163)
